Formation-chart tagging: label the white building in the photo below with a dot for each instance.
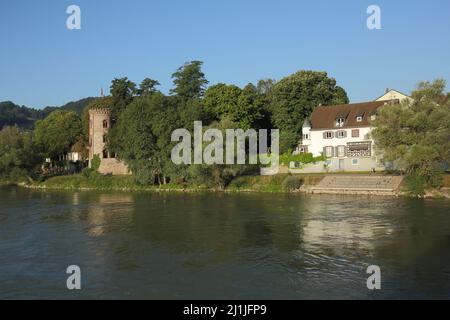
(342, 134)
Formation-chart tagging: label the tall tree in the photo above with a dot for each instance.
(295, 96)
(416, 135)
(142, 137)
(122, 92)
(58, 132)
(148, 86)
(189, 81)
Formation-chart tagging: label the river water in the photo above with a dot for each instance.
(221, 246)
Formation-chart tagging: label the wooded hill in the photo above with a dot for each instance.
(24, 117)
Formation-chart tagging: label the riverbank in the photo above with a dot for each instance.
(281, 183)
(276, 183)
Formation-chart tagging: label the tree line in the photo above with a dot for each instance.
(413, 134)
(143, 118)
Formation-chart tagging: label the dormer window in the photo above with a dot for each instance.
(340, 122)
(359, 118)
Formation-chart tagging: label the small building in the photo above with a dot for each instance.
(76, 152)
(342, 134)
(99, 124)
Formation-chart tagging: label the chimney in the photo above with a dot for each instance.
(387, 90)
(101, 92)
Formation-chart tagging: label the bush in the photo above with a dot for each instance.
(304, 158)
(417, 182)
(89, 173)
(292, 183)
(95, 162)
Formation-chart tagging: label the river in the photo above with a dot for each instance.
(221, 246)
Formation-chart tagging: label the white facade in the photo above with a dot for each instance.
(342, 134)
(392, 94)
(317, 136)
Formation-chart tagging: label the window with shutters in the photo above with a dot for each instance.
(355, 133)
(328, 151)
(328, 135)
(341, 134)
(341, 151)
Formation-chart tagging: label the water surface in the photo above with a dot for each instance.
(221, 246)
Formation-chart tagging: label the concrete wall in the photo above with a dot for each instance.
(333, 165)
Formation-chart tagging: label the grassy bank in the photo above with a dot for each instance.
(276, 183)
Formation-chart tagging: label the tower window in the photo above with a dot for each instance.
(105, 154)
(105, 123)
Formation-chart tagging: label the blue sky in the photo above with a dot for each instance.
(43, 63)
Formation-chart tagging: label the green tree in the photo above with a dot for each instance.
(142, 137)
(241, 106)
(415, 135)
(57, 133)
(122, 92)
(19, 156)
(293, 99)
(219, 175)
(189, 81)
(147, 86)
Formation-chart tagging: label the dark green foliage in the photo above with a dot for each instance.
(78, 106)
(415, 135)
(95, 162)
(24, 117)
(294, 97)
(189, 81)
(122, 92)
(147, 86)
(292, 183)
(19, 156)
(57, 133)
(142, 135)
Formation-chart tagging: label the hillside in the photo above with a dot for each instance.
(25, 117)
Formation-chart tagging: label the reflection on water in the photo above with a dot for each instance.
(250, 246)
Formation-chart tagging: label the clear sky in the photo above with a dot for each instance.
(43, 63)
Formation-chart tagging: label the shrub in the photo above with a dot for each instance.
(292, 183)
(95, 162)
(418, 181)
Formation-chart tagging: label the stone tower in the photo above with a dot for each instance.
(99, 124)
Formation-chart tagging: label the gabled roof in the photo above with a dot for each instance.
(324, 117)
(391, 91)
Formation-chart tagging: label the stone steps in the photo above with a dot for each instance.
(358, 183)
